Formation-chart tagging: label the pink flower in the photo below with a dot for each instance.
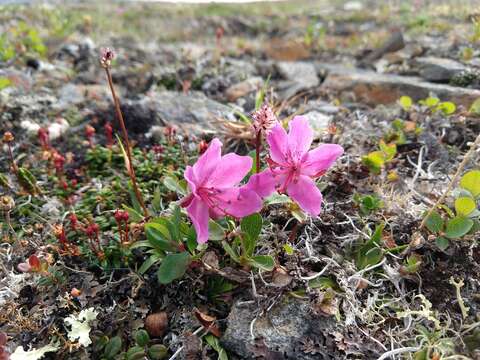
(213, 184)
(264, 119)
(293, 168)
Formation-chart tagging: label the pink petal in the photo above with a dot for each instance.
(207, 163)
(306, 194)
(189, 175)
(300, 137)
(320, 159)
(231, 169)
(198, 213)
(263, 183)
(278, 141)
(239, 202)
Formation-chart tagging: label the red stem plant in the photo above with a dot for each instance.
(106, 62)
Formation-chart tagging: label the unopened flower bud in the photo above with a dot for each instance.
(75, 292)
(6, 203)
(264, 119)
(106, 57)
(89, 131)
(202, 147)
(7, 137)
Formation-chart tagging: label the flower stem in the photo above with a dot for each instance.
(14, 165)
(258, 144)
(131, 171)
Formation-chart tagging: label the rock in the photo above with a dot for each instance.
(57, 128)
(408, 52)
(322, 106)
(373, 88)
(299, 76)
(353, 6)
(279, 334)
(286, 50)
(243, 88)
(193, 111)
(394, 43)
(438, 69)
(318, 121)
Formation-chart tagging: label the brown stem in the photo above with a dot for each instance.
(258, 144)
(464, 162)
(14, 165)
(131, 171)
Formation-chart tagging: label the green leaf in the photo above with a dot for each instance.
(447, 107)
(142, 338)
(405, 102)
(135, 353)
(471, 181)
(173, 184)
(442, 243)
(4, 181)
(475, 107)
(458, 227)
(475, 227)
(464, 206)
(158, 236)
(147, 264)
(262, 262)
(158, 352)
(113, 347)
(251, 227)
(176, 220)
(430, 101)
(323, 283)
(28, 181)
(191, 239)
(133, 198)
(370, 253)
(390, 150)
(215, 231)
(288, 249)
(173, 267)
(374, 161)
(215, 345)
(230, 251)
(434, 222)
(133, 214)
(4, 82)
(157, 199)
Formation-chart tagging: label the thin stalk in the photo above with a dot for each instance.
(12, 159)
(462, 165)
(127, 142)
(258, 144)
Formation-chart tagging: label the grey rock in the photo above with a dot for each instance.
(373, 88)
(394, 43)
(243, 88)
(193, 111)
(299, 76)
(438, 69)
(322, 106)
(318, 121)
(280, 333)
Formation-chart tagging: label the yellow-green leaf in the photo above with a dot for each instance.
(464, 205)
(471, 182)
(405, 102)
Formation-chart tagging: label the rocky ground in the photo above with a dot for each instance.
(395, 83)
